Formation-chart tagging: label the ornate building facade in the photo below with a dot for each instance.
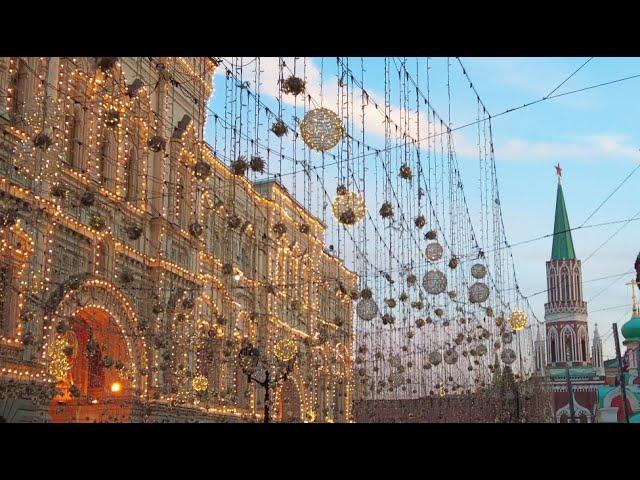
(567, 332)
(134, 263)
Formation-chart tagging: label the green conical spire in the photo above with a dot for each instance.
(562, 241)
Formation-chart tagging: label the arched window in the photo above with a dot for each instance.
(552, 288)
(553, 343)
(133, 177)
(564, 285)
(108, 159)
(75, 155)
(568, 344)
(22, 91)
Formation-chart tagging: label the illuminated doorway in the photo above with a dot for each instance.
(98, 384)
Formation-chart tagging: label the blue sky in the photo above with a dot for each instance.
(592, 134)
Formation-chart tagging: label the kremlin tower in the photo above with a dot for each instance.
(566, 328)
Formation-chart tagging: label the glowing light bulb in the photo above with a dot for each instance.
(236, 277)
(116, 387)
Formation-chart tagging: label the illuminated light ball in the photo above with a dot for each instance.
(285, 350)
(518, 319)
(434, 252)
(481, 350)
(348, 207)
(116, 387)
(434, 282)
(507, 337)
(435, 357)
(200, 383)
(321, 129)
(508, 356)
(395, 361)
(367, 309)
(450, 356)
(478, 271)
(478, 292)
(396, 379)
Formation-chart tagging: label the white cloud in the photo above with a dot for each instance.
(327, 90)
(586, 148)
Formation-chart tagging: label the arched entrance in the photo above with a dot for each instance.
(99, 383)
(289, 404)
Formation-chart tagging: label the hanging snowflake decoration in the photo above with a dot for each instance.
(388, 319)
(97, 222)
(434, 282)
(478, 292)
(202, 170)
(508, 356)
(279, 128)
(112, 117)
(321, 129)
(348, 207)
(126, 277)
(478, 271)
(195, 229)
(293, 85)
(234, 221)
(58, 191)
(405, 172)
(257, 164)
(304, 228)
(434, 252)
(279, 229)
(133, 232)
(386, 211)
(42, 141)
(87, 199)
(450, 356)
(239, 166)
(418, 304)
(157, 143)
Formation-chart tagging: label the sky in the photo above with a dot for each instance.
(591, 134)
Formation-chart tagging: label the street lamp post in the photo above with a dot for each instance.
(252, 364)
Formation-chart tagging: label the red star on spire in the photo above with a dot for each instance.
(558, 170)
